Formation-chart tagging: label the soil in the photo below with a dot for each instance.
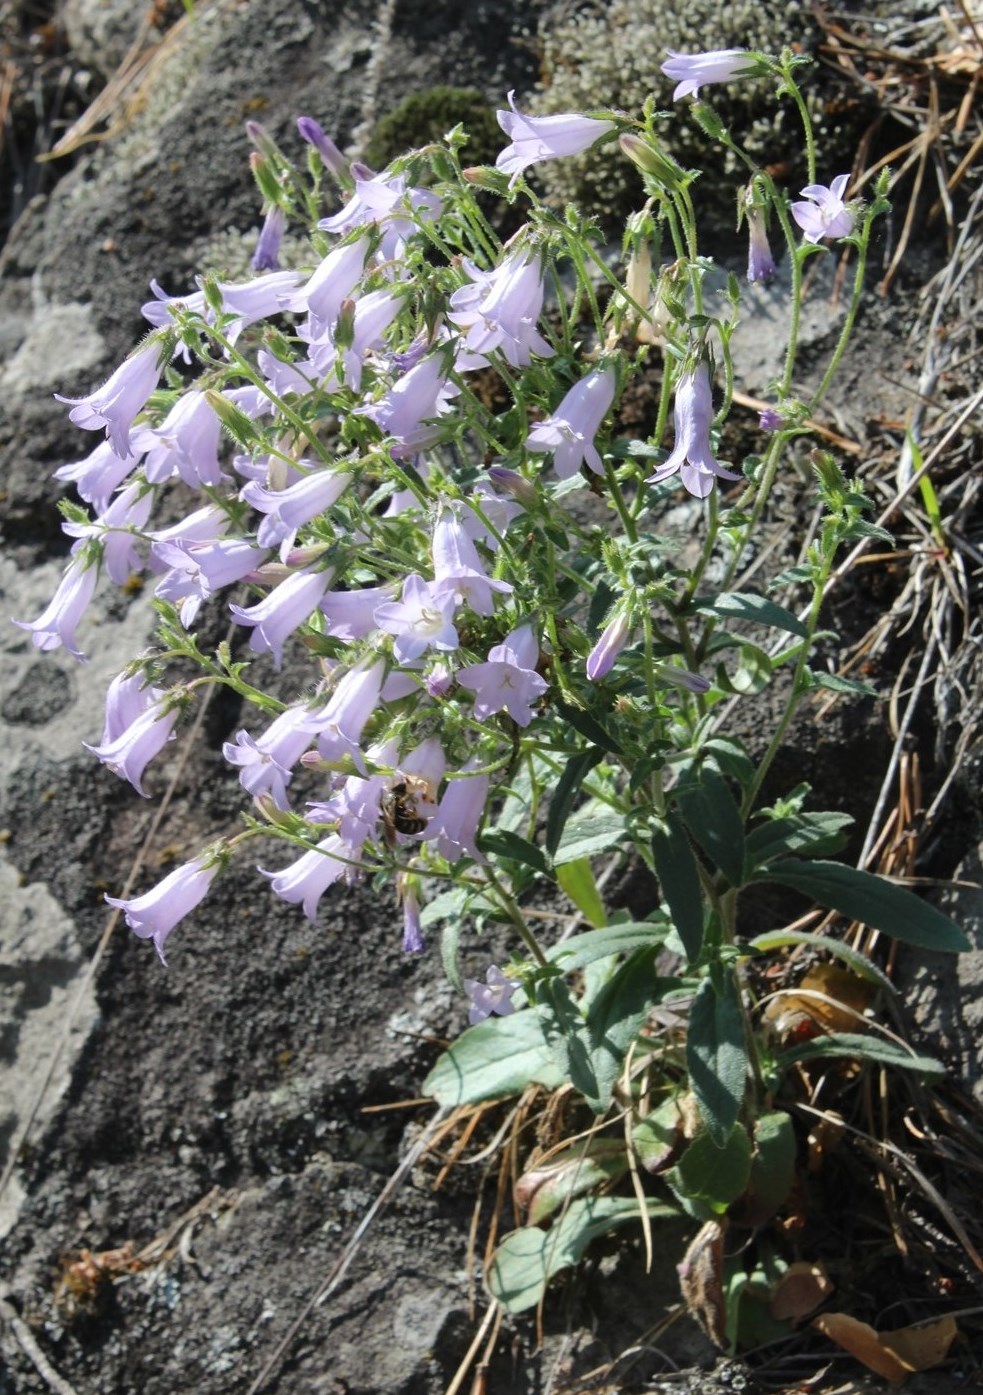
(216, 1133)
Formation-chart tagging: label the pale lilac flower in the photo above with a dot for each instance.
(492, 996)
(330, 285)
(412, 931)
(357, 806)
(267, 254)
(339, 723)
(202, 525)
(287, 510)
(159, 310)
(421, 620)
(498, 511)
(454, 828)
(117, 402)
(569, 433)
(439, 679)
(307, 879)
(374, 313)
(252, 301)
(760, 262)
(278, 614)
(691, 71)
(498, 309)
(154, 915)
(535, 138)
(266, 763)
(508, 682)
(186, 443)
(384, 200)
(198, 570)
(770, 419)
(298, 377)
(459, 573)
(692, 455)
(55, 626)
(409, 410)
(429, 763)
(614, 637)
(128, 696)
(129, 753)
(351, 614)
(117, 531)
(823, 212)
(331, 156)
(97, 476)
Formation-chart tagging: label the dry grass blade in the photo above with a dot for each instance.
(124, 92)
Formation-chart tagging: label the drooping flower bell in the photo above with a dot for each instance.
(569, 433)
(535, 138)
(692, 455)
(154, 915)
(691, 71)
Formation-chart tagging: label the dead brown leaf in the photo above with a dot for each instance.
(701, 1281)
(800, 1291)
(924, 1345)
(894, 1355)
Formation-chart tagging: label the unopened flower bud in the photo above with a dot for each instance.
(649, 160)
(333, 160)
(601, 659)
(515, 484)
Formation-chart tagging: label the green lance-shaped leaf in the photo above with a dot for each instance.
(711, 814)
(496, 1058)
(504, 843)
(859, 963)
(744, 605)
(815, 834)
(577, 768)
(623, 938)
(679, 878)
(872, 900)
(716, 1056)
(878, 1050)
(593, 829)
(527, 1259)
(577, 880)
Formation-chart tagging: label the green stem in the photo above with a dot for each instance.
(797, 693)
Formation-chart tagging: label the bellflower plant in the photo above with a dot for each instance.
(507, 672)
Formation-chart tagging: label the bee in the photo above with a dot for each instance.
(401, 807)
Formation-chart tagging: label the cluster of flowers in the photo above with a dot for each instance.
(345, 509)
